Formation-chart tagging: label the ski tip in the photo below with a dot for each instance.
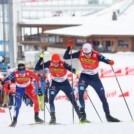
(12, 126)
(84, 122)
(56, 124)
(127, 121)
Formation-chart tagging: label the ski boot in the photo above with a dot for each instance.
(83, 116)
(37, 119)
(53, 118)
(14, 122)
(111, 119)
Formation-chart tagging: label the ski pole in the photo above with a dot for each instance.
(9, 107)
(72, 81)
(44, 106)
(93, 106)
(1, 97)
(44, 90)
(122, 94)
(10, 114)
(47, 109)
(46, 93)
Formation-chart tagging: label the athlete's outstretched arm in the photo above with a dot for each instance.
(103, 59)
(40, 65)
(67, 54)
(69, 68)
(9, 77)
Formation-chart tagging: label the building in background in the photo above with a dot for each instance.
(4, 35)
(99, 28)
(4, 24)
(12, 12)
(35, 9)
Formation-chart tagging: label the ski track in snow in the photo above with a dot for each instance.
(117, 107)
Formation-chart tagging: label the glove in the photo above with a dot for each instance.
(42, 55)
(70, 44)
(40, 92)
(76, 73)
(111, 62)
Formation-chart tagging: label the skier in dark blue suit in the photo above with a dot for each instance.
(58, 70)
(89, 60)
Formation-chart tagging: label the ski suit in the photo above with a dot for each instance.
(10, 89)
(89, 75)
(59, 82)
(24, 85)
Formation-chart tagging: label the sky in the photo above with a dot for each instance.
(116, 103)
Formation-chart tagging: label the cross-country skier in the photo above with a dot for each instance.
(58, 70)
(23, 85)
(89, 60)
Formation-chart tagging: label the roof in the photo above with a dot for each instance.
(102, 24)
(61, 20)
(97, 28)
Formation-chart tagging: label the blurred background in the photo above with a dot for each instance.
(30, 26)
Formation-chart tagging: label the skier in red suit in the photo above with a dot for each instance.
(23, 85)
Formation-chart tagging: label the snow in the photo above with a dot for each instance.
(96, 23)
(93, 24)
(96, 27)
(64, 109)
(121, 59)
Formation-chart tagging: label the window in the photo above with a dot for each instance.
(52, 39)
(80, 42)
(92, 1)
(123, 43)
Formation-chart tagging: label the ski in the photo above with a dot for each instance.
(56, 124)
(36, 123)
(32, 124)
(80, 123)
(84, 122)
(105, 122)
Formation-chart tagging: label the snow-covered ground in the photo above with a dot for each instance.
(64, 109)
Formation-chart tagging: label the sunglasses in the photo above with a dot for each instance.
(55, 62)
(87, 53)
